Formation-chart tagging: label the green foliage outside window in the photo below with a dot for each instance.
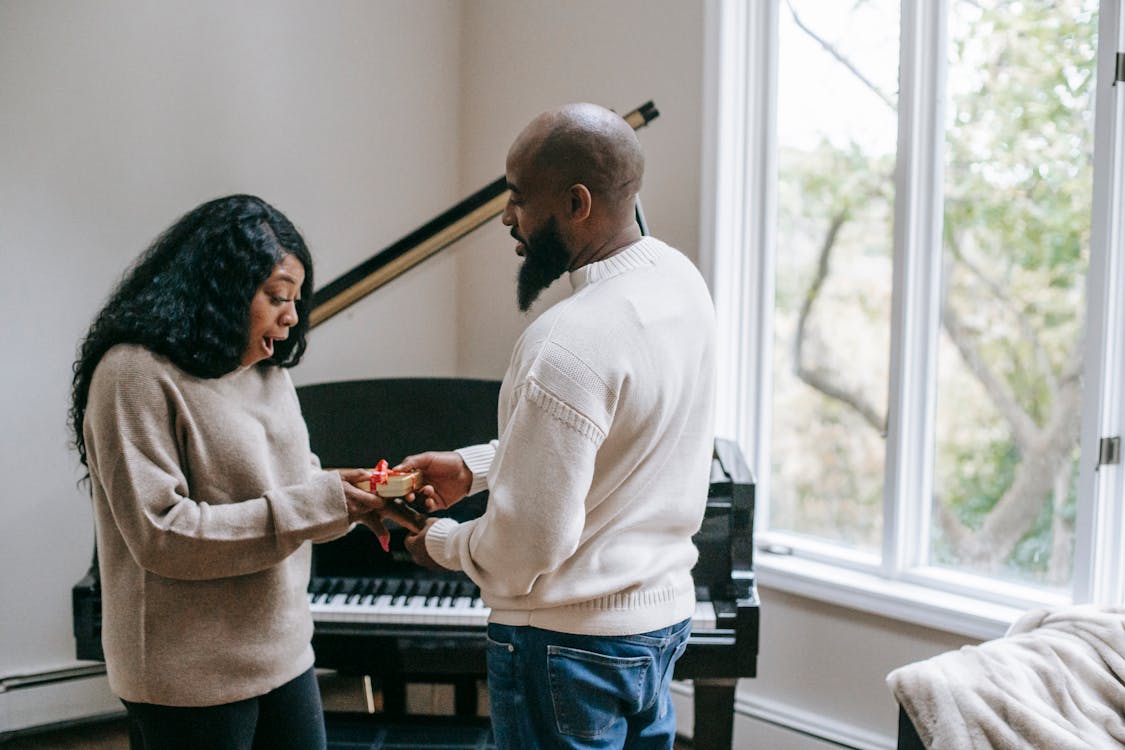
(1017, 202)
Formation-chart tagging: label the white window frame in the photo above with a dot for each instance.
(738, 219)
(1099, 552)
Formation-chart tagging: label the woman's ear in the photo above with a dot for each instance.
(580, 202)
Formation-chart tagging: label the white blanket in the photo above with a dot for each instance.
(1055, 681)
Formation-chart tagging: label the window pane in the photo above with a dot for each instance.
(837, 91)
(1017, 216)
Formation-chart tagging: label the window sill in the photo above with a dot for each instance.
(898, 600)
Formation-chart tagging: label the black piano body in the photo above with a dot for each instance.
(354, 423)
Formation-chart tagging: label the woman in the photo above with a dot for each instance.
(204, 488)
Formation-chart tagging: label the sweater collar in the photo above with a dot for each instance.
(641, 253)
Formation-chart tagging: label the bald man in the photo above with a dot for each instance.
(599, 477)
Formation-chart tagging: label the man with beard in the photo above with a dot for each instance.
(599, 477)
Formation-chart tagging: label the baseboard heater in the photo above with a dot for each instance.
(23, 681)
(55, 698)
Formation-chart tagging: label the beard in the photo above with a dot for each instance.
(545, 259)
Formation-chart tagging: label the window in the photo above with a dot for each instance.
(916, 250)
(836, 131)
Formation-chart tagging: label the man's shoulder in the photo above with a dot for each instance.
(575, 323)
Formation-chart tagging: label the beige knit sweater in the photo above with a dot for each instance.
(205, 497)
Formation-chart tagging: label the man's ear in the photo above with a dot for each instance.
(580, 203)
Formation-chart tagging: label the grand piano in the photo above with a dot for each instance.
(377, 614)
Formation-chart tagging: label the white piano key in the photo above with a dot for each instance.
(704, 617)
(461, 611)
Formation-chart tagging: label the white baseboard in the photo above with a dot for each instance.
(815, 725)
(791, 727)
(60, 696)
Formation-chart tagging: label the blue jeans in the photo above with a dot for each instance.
(558, 690)
(287, 718)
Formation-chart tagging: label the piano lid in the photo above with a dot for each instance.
(432, 237)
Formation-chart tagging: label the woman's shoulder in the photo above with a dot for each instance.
(133, 367)
(127, 373)
(128, 358)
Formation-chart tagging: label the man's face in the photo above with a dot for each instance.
(545, 258)
(530, 213)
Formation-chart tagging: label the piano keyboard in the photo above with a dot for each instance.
(406, 601)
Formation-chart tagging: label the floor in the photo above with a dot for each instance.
(113, 735)
(104, 735)
(354, 721)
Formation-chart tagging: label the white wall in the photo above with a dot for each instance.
(118, 116)
(361, 120)
(523, 57)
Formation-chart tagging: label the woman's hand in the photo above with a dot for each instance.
(360, 502)
(365, 507)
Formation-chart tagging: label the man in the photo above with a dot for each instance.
(599, 477)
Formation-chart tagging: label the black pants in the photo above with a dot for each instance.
(288, 718)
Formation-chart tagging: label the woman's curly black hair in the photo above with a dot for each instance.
(187, 297)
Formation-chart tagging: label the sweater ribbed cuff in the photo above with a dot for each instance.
(437, 544)
(479, 459)
(317, 510)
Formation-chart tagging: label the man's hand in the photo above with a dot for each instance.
(416, 546)
(445, 478)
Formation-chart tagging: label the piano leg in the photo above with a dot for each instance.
(136, 739)
(714, 714)
(394, 697)
(465, 698)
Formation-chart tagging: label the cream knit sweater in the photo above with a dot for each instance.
(205, 497)
(599, 477)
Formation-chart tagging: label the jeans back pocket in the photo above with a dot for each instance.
(590, 690)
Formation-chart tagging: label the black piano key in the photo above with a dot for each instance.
(433, 596)
(371, 588)
(345, 587)
(328, 590)
(405, 590)
(442, 594)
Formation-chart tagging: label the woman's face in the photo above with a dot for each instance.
(273, 311)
